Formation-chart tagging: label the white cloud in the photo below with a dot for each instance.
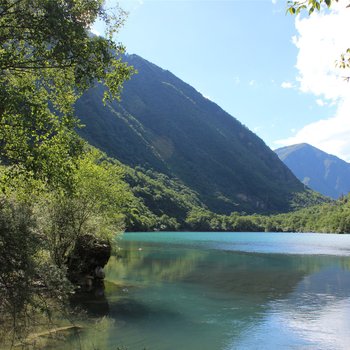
(287, 85)
(274, 2)
(321, 40)
(331, 135)
(94, 31)
(320, 102)
(252, 83)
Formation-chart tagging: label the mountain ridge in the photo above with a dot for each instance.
(164, 124)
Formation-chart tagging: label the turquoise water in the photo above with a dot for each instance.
(208, 291)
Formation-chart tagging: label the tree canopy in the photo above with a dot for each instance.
(47, 58)
(53, 188)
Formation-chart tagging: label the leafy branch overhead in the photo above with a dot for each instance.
(47, 34)
(296, 7)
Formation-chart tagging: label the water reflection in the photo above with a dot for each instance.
(315, 315)
(92, 301)
(149, 264)
(173, 295)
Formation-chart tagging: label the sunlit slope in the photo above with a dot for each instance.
(164, 124)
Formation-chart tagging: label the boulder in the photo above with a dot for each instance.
(88, 259)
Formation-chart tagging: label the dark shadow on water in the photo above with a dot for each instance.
(128, 309)
(92, 301)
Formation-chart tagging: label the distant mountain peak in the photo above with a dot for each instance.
(323, 172)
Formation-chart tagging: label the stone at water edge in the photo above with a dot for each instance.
(85, 264)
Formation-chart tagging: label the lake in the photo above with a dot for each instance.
(221, 291)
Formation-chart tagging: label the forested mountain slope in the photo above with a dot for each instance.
(318, 170)
(164, 124)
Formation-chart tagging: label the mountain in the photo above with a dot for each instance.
(318, 170)
(164, 125)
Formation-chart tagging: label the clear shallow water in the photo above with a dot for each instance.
(224, 291)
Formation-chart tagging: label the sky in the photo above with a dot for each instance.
(274, 72)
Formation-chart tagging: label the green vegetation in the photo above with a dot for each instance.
(53, 188)
(39, 226)
(329, 217)
(167, 198)
(47, 59)
(332, 217)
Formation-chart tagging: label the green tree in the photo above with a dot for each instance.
(28, 281)
(94, 207)
(48, 58)
(199, 219)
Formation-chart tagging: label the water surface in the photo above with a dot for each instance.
(208, 291)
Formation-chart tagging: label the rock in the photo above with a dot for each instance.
(99, 273)
(88, 258)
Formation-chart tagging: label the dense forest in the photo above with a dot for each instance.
(326, 218)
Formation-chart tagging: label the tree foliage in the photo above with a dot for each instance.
(39, 229)
(47, 58)
(332, 217)
(54, 34)
(28, 280)
(295, 7)
(53, 190)
(93, 207)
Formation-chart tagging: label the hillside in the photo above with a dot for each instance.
(323, 172)
(164, 125)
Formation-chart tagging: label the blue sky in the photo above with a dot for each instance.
(249, 58)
